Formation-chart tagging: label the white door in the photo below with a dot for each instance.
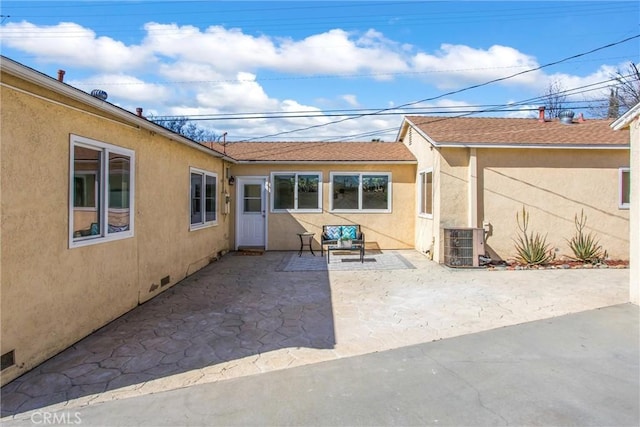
(251, 212)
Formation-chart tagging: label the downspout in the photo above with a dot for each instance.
(473, 189)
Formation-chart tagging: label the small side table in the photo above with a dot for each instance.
(302, 237)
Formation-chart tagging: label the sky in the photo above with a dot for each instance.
(326, 70)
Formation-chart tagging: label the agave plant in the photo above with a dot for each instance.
(531, 249)
(585, 247)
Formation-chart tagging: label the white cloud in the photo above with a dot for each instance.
(229, 50)
(241, 95)
(187, 70)
(591, 86)
(338, 52)
(73, 45)
(125, 87)
(523, 113)
(456, 66)
(352, 100)
(225, 50)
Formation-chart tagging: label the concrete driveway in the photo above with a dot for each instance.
(246, 315)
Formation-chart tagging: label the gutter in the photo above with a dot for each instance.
(325, 162)
(534, 146)
(32, 76)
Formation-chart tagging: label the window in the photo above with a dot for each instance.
(203, 198)
(625, 188)
(296, 191)
(426, 193)
(354, 191)
(100, 192)
(252, 199)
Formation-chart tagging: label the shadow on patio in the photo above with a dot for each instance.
(240, 306)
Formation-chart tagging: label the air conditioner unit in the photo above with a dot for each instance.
(463, 246)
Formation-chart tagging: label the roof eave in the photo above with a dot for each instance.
(420, 132)
(535, 146)
(316, 162)
(626, 119)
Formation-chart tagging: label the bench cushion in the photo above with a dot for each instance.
(333, 232)
(350, 231)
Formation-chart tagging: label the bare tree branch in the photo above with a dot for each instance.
(184, 127)
(554, 99)
(628, 86)
(623, 95)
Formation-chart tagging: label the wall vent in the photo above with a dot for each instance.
(463, 247)
(8, 359)
(165, 280)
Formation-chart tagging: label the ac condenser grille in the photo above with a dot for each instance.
(463, 246)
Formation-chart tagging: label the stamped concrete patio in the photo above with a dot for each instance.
(245, 315)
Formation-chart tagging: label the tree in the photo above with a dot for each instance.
(623, 95)
(184, 127)
(554, 99)
(628, 87)
(613, 112)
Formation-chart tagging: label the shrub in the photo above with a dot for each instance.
(531, 249)
(585, 247)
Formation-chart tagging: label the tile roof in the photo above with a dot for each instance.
(515, 132)
(391, 152)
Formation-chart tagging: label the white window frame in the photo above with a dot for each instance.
(204, 223)
(295, 192)
(103, 189)
(621, 203)
(360, 176)
(421, 193)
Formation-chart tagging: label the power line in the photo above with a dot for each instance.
(360, 111)
(338, 15)
(454, 111)
(452, 92)
(308, 114)
(322, 76)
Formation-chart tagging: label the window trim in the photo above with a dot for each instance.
(103, 189)
(360, 176)
(204, 223)
(621, 203)
(421, 193)
(295, 195)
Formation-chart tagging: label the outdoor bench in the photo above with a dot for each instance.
(331, 234)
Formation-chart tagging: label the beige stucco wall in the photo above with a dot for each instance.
(52, 296)
(634, 284)
(426, 231)
(553, 185)
(450, 192)
(394, 230)
(453, 192)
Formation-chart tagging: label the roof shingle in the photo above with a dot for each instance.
(316, 151)
(508, 131)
